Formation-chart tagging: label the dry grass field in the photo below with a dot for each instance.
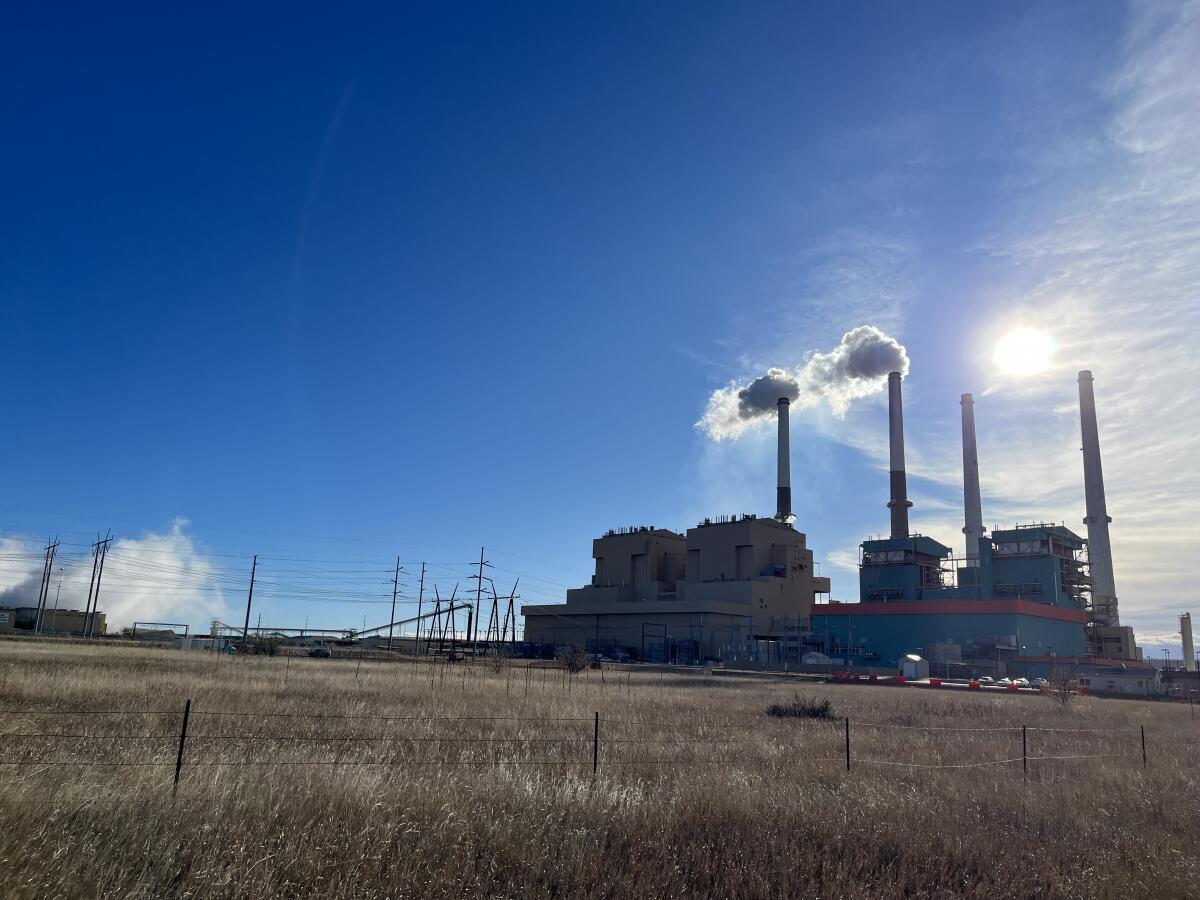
(333, 778)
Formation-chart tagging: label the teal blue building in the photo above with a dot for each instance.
(1021, 606)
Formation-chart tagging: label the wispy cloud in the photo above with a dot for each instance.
(1113, 273)
(1097, 244)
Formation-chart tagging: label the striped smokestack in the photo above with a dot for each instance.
(972, 506)
(899, 504)
(1104, 589)
(783, 493)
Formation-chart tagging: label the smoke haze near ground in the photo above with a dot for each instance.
(158, 576)
(857, 367)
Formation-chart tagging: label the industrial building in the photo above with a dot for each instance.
(1023, 600)
(727, 586)
(23, 619)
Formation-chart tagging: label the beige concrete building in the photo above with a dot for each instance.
(57, 621)
(728, 585)
(1113, 642)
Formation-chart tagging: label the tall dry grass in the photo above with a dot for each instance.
(336, 778)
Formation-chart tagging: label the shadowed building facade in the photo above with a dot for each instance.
(662, 596)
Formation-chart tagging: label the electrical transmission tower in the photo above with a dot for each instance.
(478, 579)
(44, 590)
(420, 604)
(99, 554)
(395, 591)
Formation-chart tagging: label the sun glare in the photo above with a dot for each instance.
(1025, 351)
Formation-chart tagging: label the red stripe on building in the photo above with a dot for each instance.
(950, 607)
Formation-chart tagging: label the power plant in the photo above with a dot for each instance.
(731, 583)
(1023, 600)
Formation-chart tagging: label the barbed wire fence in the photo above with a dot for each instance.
(47, 742)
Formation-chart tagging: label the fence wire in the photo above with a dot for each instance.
(581, 741)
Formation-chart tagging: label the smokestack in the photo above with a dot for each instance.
(1104, 589)
(1189, 650)
(783, 493)
(972, 507)
(899, 504)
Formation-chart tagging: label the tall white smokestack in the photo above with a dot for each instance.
(783, 493)
(972, 507)
(1104, 589)
(1189, 650)
(899, 504)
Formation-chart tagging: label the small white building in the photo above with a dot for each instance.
(1139, 682)
(913, 667)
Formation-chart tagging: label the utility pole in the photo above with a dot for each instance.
(493, 624)
(450, 610)
(395, 590)
(99, 554)
(510, 613)
(87, 607)
(436, 623)
(478, 598)
(44, 589)
(250, 598)
(420, 603)
(57, 593)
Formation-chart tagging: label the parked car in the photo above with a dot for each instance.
(320, 652)
(1021, 682)
(986, 679)
(1041, 682)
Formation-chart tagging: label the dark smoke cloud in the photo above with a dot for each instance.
(24, 593)
(761, 396)
(857, 367)
(866, 353)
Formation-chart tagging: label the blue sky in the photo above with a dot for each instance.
(331, 287)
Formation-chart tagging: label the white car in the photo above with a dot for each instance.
(986, 679)
(1021, 682)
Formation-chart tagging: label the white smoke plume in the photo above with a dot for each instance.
(158, 577)
(857, 367)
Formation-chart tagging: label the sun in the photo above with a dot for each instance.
(1025, 351)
